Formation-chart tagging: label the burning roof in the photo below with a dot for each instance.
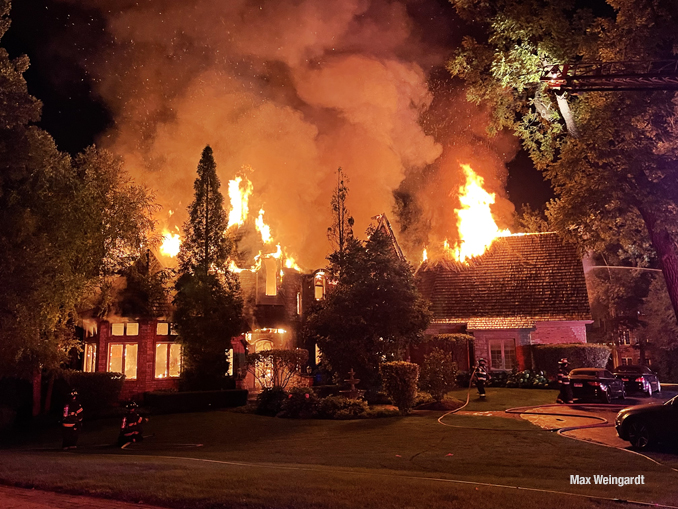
(520, 279)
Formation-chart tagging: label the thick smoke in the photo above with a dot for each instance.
(285, 91)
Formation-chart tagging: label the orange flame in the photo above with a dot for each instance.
(171, 244)
(239, 200)
(263, 228)
(477, 229)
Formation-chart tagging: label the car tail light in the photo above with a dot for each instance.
(640, 379)
(595, 384)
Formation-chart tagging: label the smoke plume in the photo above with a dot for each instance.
(287, 91)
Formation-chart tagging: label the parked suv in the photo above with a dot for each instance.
(638, 379)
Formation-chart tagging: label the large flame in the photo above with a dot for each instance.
(239, 197)
(171, 244)
(239, 191)
(477, 229)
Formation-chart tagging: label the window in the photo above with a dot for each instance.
(162, 329)
(502, 353)
(118, 329)
(271, 267)
(167, 360)
(319, 285)
(298, 303)
(626, 361)
(122, 358)
(624, 337)
(648, 361)
(90, 360)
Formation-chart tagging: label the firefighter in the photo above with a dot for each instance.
(565, 396)
(71, 422)
(131, 429)
(481, 377)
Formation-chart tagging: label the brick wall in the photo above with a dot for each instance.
(558, 332)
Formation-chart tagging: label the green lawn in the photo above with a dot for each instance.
(260, 462)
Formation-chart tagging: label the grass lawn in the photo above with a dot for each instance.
(260, 462)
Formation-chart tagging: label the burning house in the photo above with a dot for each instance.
(525, 290)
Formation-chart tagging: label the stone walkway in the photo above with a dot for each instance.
(19, 498)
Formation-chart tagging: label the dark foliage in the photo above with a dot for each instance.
(270, 401)
(96, 391)
(400, 383)
(438, 374)
(301, 402)
(197, 401)
(339, 407)
(579, 355)
(374, 312)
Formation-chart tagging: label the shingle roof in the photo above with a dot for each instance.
(522, 278)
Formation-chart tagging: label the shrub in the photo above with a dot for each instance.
(338, 407)
(96, 391)
(423, 398)
(269, 401)
(275, 368)
(527, 379)
(579, 355)
(300, 402)
(438, 374)
(170, 402)
(498, 379)
(400, 383)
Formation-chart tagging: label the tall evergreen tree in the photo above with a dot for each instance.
(208, 301)
(205, 248)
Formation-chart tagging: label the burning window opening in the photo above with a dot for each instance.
(319, 285)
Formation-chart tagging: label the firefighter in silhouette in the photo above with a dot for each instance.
(481, 377)
(565, 396)
(71, 422)
(131, 429)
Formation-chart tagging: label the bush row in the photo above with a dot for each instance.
(170, 402)
(302, 402)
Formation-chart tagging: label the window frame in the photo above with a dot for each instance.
(503, 342)
(168, 357)
(89, 365)
(123, 370)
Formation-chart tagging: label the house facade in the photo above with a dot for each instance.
(146, 351)
(525, 290)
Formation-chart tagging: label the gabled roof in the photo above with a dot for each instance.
(384, 225)
(519, 280)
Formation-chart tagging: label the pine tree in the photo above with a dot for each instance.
(208, 301)
(205, 246)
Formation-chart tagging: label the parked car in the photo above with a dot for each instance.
(645, 425)
(596, 383)
(638, 379)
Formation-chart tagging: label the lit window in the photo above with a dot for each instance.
(90, 360)
(625, 337)
(122, 358)
(298, 303)
(648, 361)
(162, 329)
(271, 267)
(502, 353)
(167, 360)
(132, 329)
(319, 285)
(117, 329)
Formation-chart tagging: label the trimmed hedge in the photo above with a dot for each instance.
(579, 355)
(339, 407)
(174, 402)
(400, 383)
(438, 374)
(97, 391)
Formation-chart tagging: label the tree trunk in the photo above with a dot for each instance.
(567, 115)
(666, 252)
(37, 391)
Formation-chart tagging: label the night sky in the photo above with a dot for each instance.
(64, 41)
